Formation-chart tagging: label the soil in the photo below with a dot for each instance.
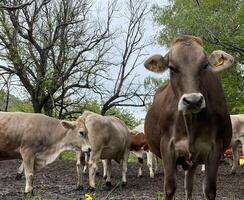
(58, 181)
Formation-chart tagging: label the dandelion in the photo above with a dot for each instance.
(88, 197)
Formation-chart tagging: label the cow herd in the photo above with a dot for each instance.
(188, 124)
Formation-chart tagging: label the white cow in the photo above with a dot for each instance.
(38, 140)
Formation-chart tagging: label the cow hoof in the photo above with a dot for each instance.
(105, 177)
(152, 176)
(233, 171)
(91, 189)
(79, 188)
(108, 184)
(124, 184)
(140, 176)
(97, 173)
(29, 195)
(18, 176)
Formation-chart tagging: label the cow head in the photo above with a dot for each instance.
(188, 64)
(77, 135)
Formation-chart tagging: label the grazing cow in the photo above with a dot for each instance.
(38, 140)
(109, 138)
(140, 149)
(237, 122)
(188, 123)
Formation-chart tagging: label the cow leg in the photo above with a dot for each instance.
(203, 168)
(188, 182)
(236, 156)
(156, 159)
(28, 160)
(169, 166)
(124, 166)
(86, 163)
(78, 169)
(92, 169)
(105, 169)
(108, 172)
(211, 169)
(20, 171)
(150, 163)
(140, 160)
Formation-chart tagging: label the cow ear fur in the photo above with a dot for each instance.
(68, 125)
(220, 60)
(157, 63)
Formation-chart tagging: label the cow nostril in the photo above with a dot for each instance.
(186, 101)
(200, 100)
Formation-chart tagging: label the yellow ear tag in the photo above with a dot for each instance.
(219, 62)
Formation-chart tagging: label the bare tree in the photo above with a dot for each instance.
(125, 90)
(4, 4)
(55, 48)
(5, 82)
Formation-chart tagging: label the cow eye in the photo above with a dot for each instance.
(82, 133)
(172, 69)
(205, 66)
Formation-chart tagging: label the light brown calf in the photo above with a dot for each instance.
(109, 138)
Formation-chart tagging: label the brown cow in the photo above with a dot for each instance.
(140, 149)
(188, 123)
(38, 140)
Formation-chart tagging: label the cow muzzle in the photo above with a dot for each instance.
(191, 103)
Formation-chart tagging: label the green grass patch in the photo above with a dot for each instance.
(132, 158)
(67, 155)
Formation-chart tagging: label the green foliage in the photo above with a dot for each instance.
(67, 155)
(221, 25)
(15, 104)
(95, 106)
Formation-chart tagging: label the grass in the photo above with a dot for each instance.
(67, 155)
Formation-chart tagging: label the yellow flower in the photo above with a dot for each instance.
(242, 161)
(88, 197)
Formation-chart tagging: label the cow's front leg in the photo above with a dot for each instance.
(169, 166)
(236, 156)
(124, 166)
(105, 169)
(140, 160)
(150, 163)
(211, 169)
(108, 165)
(28, 160)
(92, 170)
(20, 171)
(78, 169)
(188, 182)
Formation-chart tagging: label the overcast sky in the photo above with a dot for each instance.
(150, 34)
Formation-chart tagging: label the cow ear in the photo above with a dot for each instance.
(68, 125)
(157, 63)
(220, 60)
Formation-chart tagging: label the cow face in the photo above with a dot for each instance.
(188, 64)
(77, 135)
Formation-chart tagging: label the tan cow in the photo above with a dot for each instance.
(188, 123)
(237, 122)
(109, 138)
(38, 140)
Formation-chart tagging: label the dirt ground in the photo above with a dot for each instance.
(58, 181)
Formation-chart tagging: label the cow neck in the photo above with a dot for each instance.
(188, 121)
